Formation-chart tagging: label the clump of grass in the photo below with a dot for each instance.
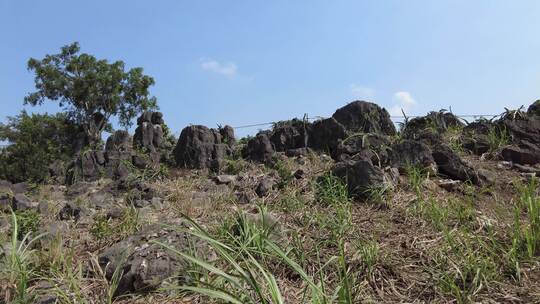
(453, 138)
(285, 173)
(331, 191)
(249, 233)
(497, 137)
(468, 266)
(417, 176)
(369, 254)
(28, 222)
(527, 235)
(105, 228)
(235, 165)
(17, 266)
(432, 212)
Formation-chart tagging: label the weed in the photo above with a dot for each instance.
(497, 137)
(527, 236)
(28, 222)
(369, 253)
(16, 265)
(284, 172)
(417, 176)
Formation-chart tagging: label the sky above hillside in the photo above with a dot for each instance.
(245, 62)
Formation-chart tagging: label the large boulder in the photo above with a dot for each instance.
(227, 135)
(144, 265)
(260, 148)
(118, 154)
(119, 141)
(524, 153)
(475, 137)
(371, 146)
(361, 177)
(325, 135)
(450, 164)
(412, 153)
(365, 117)
(149, 134)
(534, 109)
(437, 122)
(87, 166)
(199, 147)
(522, 127)
(292, 134)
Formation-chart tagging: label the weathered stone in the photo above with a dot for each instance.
(525, 154)
(22, 202)
(475, 136)
(225, 179)
(265, 186)
(69, 212)
(145, 264)
(297, 152)
(227, 135)
(200, 148)
(434, 121)
(246, 196)
(292, 134)
(371, 146)
(260, 149)
(325, 135)
(21, 187)
(119, 141)
(449, 184)
(361, 177)
(299, 174)
(365, 117)
(534, 109)
(88, 166)
(149, 135)
(522, 128)
(412, 153)
(450, 164)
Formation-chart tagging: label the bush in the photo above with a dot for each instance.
(35, 141)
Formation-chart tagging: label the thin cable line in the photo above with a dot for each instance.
(391, 117)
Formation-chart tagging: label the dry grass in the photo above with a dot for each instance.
(427, 245)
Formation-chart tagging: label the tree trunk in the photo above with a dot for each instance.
(93, 128)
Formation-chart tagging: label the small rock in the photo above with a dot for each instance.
(245, 197)
(68, 212)
(22, 202)
(504, 165)
(299, 174)
(225, 179)
(296, 152)
(264, 187)
(528, 176)
(141, 203)
(19, 188)
(449, 184)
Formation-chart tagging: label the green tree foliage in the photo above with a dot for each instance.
(35, 141)
(91, 91)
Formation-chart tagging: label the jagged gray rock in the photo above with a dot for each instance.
(199, 147)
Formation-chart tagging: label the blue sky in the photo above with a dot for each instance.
(243, 62)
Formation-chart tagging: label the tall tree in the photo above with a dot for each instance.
(91, 91)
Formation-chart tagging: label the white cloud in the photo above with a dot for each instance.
(403, 100)
(228, 69)
(361, 92)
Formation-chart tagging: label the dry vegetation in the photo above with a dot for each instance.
(305, 242)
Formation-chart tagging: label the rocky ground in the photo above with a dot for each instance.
(343, 210)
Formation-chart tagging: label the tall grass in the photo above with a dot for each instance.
(16, 265)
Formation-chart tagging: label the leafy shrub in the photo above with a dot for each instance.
(35, 141)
